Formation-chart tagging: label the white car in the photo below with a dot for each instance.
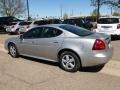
(12, 28)
(110, 26)
(24, 26)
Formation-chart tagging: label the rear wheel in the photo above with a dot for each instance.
(13, 50)
(69, 61)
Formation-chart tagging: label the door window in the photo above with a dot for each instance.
(33, 33)
(49, 32)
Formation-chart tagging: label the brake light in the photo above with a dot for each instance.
(99, 45)
(13, 26)
(118, 26)
(28, 26)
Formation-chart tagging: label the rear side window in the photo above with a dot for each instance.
(76, 30)
(50, 32)
(25, 23)
(108, 20)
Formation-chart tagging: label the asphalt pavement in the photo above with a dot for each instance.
(32, 74)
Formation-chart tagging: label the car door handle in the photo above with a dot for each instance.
(32, 42)
(55, 42)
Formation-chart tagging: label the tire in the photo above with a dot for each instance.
(13, 50)
(69, 65)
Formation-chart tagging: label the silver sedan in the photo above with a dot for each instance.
(73, 47)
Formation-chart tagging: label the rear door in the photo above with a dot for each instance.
(51, 41)
(107, 24)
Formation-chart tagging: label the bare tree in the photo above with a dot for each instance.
(113, 3)
(12, 7)
(110, 3)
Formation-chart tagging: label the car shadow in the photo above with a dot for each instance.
(3, 33)
(40, 61)
(115, 38)
(93, 69)
(85, 69)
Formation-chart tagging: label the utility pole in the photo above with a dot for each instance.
(98, 11)
(111, 11)
(119, 3)
(61, 11)
(72, 13)
(28, 10)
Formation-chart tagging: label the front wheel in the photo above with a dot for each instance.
(13, 51)
(69, 61)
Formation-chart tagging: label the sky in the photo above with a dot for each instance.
(43, 8)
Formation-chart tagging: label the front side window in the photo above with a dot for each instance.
(33, 33)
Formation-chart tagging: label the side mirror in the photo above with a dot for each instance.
(21, 37)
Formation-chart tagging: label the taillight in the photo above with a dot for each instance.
(27, 26)
(118, 26)
(99, 45)
(13, 26)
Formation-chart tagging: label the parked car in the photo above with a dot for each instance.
(92, 20)
(78, 22)
(4, 21)
(27, 25)
(12, 28)
(71, 46)
(24, 26)
(110, 26)
(47, 21)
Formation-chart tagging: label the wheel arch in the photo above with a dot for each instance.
(10, 44)
(66, 49)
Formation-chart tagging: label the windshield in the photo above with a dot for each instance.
(25, 23)
(76, 30)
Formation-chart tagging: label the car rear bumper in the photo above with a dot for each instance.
(113, 32)
(97, 57)
(10, 30)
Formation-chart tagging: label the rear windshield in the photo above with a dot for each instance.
(76, 30)
(108, 20)
(25, 23)
(10, 24)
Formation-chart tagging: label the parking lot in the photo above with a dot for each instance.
(31, 74)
